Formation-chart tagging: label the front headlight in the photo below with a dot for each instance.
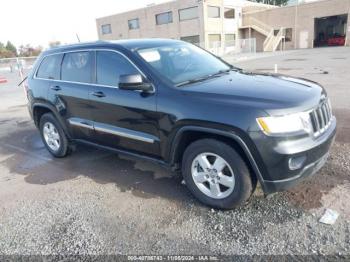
(286, 125)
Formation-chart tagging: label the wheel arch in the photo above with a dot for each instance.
(189, 134)
(39, 109)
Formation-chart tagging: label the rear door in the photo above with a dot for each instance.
(123, 119)
(70, 95)
(48, 72)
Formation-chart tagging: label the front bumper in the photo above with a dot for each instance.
(276, 154)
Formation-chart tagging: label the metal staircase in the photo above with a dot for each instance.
(272, 41)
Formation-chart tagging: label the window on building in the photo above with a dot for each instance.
(213, 12)
(50, 67)
(110, 66)
(214, 40)
(230, 40)
(106, 29)
(77, 67)
(188, 13)
(289, 34)
(164, 18)
(134, 24)
(193, 39)
(229, 13)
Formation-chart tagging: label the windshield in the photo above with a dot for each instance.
(181, 63)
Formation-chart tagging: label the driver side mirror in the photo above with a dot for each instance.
(134, 82)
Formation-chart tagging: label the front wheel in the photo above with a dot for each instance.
(216, 174)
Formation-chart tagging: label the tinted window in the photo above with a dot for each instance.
(106, 29)
(77, 67)
(229, 13)
(188, 13)
(110, 66)
(230, 40)
(213, 12)
(50, 67)
(134, 24)
(214, 40)
(164, 18)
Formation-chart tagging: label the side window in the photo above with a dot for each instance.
(110, 66)
(50, 67)
(77, 67)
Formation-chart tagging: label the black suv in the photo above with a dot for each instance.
(174, 103)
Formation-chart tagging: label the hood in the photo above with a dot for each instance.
(276, 94)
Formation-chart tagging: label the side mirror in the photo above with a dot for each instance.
(134, 82)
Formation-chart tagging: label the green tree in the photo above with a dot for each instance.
(272, 2)
(28, 50)
(4, 53)
(11, 48)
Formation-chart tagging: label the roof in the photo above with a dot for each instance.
(130, 44)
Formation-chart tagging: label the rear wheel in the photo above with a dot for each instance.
(216, 174)
(53, 136)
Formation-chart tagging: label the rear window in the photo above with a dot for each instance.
(50, 67)
(77, 67)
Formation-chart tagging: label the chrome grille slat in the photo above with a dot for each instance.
(325, 116)
(328, 111)
(321, 118)
(315, 118)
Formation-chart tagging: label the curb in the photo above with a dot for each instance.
(3, 80)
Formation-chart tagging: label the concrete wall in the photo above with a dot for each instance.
(147, 21)
(202, 26)
(301, 19)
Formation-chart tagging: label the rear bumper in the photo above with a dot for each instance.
(279, 176)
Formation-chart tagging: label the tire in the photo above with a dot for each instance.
(60, 148)
(235, 190)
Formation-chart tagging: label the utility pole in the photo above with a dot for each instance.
(296, 25)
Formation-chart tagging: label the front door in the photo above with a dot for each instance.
(123, 119)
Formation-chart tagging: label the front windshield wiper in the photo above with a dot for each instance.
(195, 80)
(200, 79)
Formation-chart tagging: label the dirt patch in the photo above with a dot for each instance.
(311, 193)
(343, 125)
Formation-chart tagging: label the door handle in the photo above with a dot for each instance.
(98, 94)
(56, 88)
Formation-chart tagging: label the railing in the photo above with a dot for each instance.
(271, 42)
(223, 48)
(16, 63)
(281, 35)
(257, 25)
(268, 40)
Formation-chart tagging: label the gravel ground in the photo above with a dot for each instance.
(95, 202)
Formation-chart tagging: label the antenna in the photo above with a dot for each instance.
(78, 38)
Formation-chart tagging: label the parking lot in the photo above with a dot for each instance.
(97, 202)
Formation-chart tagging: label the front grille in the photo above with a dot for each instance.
(321, 118)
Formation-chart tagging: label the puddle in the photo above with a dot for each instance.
(295, 59)
(28, 156)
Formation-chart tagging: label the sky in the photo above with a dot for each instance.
(37, 22)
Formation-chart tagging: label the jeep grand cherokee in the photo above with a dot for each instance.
(174, 103)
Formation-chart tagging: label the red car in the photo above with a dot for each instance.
(336, 40)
